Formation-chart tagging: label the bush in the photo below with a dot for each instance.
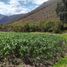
(53, 26)
(31, 27)
(43, 26)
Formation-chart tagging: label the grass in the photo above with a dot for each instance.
(63, 61)
(65, 36)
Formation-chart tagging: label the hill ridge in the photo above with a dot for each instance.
(43, 12)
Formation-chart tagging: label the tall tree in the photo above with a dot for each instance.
(62, 10)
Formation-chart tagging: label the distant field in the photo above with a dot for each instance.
(31, 48)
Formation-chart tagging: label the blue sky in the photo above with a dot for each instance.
(11, 7)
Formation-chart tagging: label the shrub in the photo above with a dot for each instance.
(31, 27)
(43, 26)
(53, 26)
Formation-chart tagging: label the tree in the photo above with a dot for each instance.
(62, 10)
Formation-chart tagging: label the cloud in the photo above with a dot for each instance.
(18, 6)
(13, 7)
(39, 1)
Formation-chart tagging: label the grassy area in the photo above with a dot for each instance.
(33, 48)
(63, 61)
(65, 36)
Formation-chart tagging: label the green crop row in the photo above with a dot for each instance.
(35, 49)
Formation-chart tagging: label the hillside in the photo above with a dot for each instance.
(7, 19)
(1, 16)
(46, 11)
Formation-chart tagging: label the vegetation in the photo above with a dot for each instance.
(62, 10)
(61, 63)
(35, 49)
(43, 26)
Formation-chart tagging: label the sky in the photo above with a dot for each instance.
(11, 7)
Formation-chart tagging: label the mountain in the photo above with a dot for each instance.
(8, 19)
(46, 11)
(1, 16)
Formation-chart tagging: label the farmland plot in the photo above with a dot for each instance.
(33, 49)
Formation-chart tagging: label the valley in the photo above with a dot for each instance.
(35, 39)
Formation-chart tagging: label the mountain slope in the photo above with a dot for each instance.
(2, 16)
(8, 19)
(46, 11)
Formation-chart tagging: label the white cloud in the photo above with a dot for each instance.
(14, 6)
(39, 1)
